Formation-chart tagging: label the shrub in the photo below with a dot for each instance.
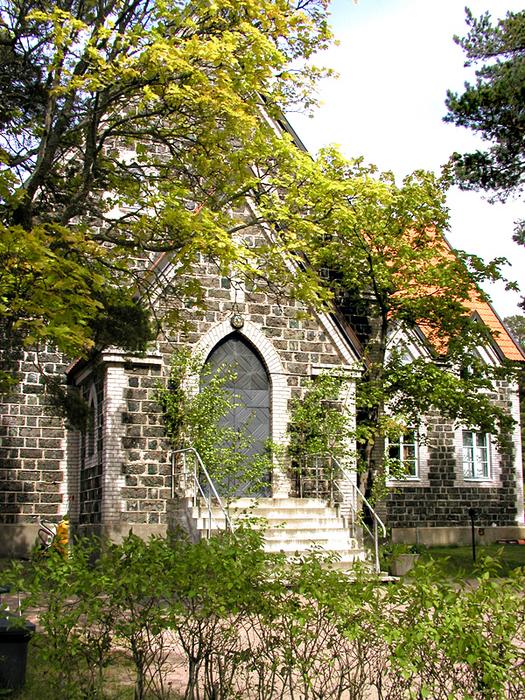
(259, 626)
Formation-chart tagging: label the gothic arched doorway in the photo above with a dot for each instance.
(251, 391)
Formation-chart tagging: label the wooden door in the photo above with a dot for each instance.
(251, 391)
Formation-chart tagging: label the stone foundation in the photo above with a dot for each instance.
(445, 536)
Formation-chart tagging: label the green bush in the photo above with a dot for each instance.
(75, 626)
(257, 626)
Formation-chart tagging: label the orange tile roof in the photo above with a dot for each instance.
(508, 348)
(502, 338)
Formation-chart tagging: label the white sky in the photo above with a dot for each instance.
(396, 60)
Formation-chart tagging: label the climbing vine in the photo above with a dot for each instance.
(319, 420)
(193, 412)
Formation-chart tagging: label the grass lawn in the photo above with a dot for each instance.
(459, 559)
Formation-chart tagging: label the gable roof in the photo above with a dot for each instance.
(508, 348)
(502, 338)
(504, 345)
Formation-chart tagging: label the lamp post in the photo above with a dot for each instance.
(472, 514)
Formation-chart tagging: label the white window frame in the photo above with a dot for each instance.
(401, 442)
(476, 456)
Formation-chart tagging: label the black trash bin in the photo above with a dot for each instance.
(14, 639)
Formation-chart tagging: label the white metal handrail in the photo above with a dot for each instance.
(357, 497)
(196, 487)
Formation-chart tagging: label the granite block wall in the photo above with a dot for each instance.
(290, 348)
(441, 496)
(33, 474)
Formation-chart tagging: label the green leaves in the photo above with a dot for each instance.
(253, 625)
(59, 288)
(319, 421)
(133, 130)
(193, 404)
(492, 105)
(381, 248)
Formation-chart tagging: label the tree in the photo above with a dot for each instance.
(381, 250)
(131, 129)
(319, 424)
(493, 107)
(516, 327)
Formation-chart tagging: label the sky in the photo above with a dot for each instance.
(395, 60)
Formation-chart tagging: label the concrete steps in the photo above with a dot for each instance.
(292, 526)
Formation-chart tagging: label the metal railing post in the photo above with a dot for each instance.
(195, 480)
(331, 477)
(198, 490)
(376, 543)
(354, 500)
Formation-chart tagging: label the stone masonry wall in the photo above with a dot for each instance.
(441, 496)
(146, 468)
(32, 449)
(299, 345)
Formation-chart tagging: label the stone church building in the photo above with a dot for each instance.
(117, 474)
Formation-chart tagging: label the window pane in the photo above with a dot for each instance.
(410, 466)
(468, 439)
(481, 439)
(405, 450)
(468, 454)
(475, 455)
(468, 462)
(409, 452)
(394, 451)
(482, 465)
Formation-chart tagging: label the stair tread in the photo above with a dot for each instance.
(289, 524)
(293, 526)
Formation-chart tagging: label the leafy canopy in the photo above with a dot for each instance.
(381, 250)
(493, 106)
(516, 327)
(131, 129)
(320, 422)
